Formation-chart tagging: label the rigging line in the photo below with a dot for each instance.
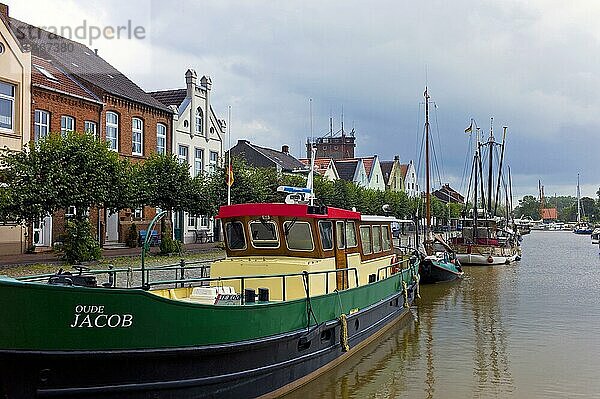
(435, 162)
(418, 126)
(420, 154)
(437, 127)
(466, 166)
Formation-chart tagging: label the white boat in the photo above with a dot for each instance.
(596, 236)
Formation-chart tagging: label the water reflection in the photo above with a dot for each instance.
(527, 330)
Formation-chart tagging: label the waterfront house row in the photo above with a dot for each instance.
(77, 90)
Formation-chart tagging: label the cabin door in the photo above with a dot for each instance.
(341, 261)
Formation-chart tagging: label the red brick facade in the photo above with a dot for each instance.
(59, 104)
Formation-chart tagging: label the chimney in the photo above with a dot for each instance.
(397, 158)
(285, 149)
(96, 51)
(190, 84)
(242, 141)
(4, 9)
(206, 84)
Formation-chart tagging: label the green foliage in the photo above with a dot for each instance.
(529, 206)
(167, 244)
(79, 244)
(58, 172)
(164, 182)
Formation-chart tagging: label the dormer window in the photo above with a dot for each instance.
(199, 121)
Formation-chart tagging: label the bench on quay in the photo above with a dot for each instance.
(154, 238)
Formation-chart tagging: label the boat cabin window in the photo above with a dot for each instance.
(385, 238)
(298, 236)
(340, 232)
(350, 235)
(376, 238)
(365, 238)
(234, 233)
(326, 233)
(264, 234)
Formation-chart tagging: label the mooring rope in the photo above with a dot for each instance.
(417, 280)
(344, 333)
(405, 294)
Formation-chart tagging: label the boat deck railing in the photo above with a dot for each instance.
(129, 275)
(180, 269)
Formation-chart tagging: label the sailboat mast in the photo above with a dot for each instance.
(500, 169)
(578, 201)
(427, 183)
(490, 168)
(475, 167)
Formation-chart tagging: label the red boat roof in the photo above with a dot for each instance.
(289, 210)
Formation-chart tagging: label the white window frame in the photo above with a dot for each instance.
(312, 240)
(161, 134)
(91, 127)
(192, 221)
(64, 125)
(212, 163)
(113, 141)
(253, 241)
(137, 131)
(199, 121)
(183, 159)
(11, 99)
(199, 160)
(204, 221)
(40, 125)
(138, 213)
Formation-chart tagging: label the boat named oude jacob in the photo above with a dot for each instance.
(328, 281)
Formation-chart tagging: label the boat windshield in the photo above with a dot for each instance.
(298, 236)
(264, 234)
(234, 233)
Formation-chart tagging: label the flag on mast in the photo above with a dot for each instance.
(470, 128)
(229, 176)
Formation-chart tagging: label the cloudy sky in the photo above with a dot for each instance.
(533, 66)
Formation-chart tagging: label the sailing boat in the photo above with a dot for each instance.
(581, 227)
(487, 239)
(437, 266)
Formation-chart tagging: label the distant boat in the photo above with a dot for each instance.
(487, 238)
(596, 236)
(581, 227)
(437, 266)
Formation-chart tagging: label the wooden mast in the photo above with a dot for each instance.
(427, 183)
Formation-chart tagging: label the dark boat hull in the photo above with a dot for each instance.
(241, 370)
(432, 273)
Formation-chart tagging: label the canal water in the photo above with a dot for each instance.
(526, 330)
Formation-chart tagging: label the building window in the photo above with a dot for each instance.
(198, 161)
(199, 121)
(67, 125)
(7, 106)
(214, 159)
(192, 221)
(183, 154)
(41, 124)
(161, 138)
(204, 221)
(137, 136)
(112, 130)
(90, 128)
(138, 213)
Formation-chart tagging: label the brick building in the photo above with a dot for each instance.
(75, 89)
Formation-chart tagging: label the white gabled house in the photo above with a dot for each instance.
(197, 140)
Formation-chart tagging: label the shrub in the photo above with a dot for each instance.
(79, 244)
(167, 244)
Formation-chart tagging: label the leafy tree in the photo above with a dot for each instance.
(528, 206)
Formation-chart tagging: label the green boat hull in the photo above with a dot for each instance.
(136, 344)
